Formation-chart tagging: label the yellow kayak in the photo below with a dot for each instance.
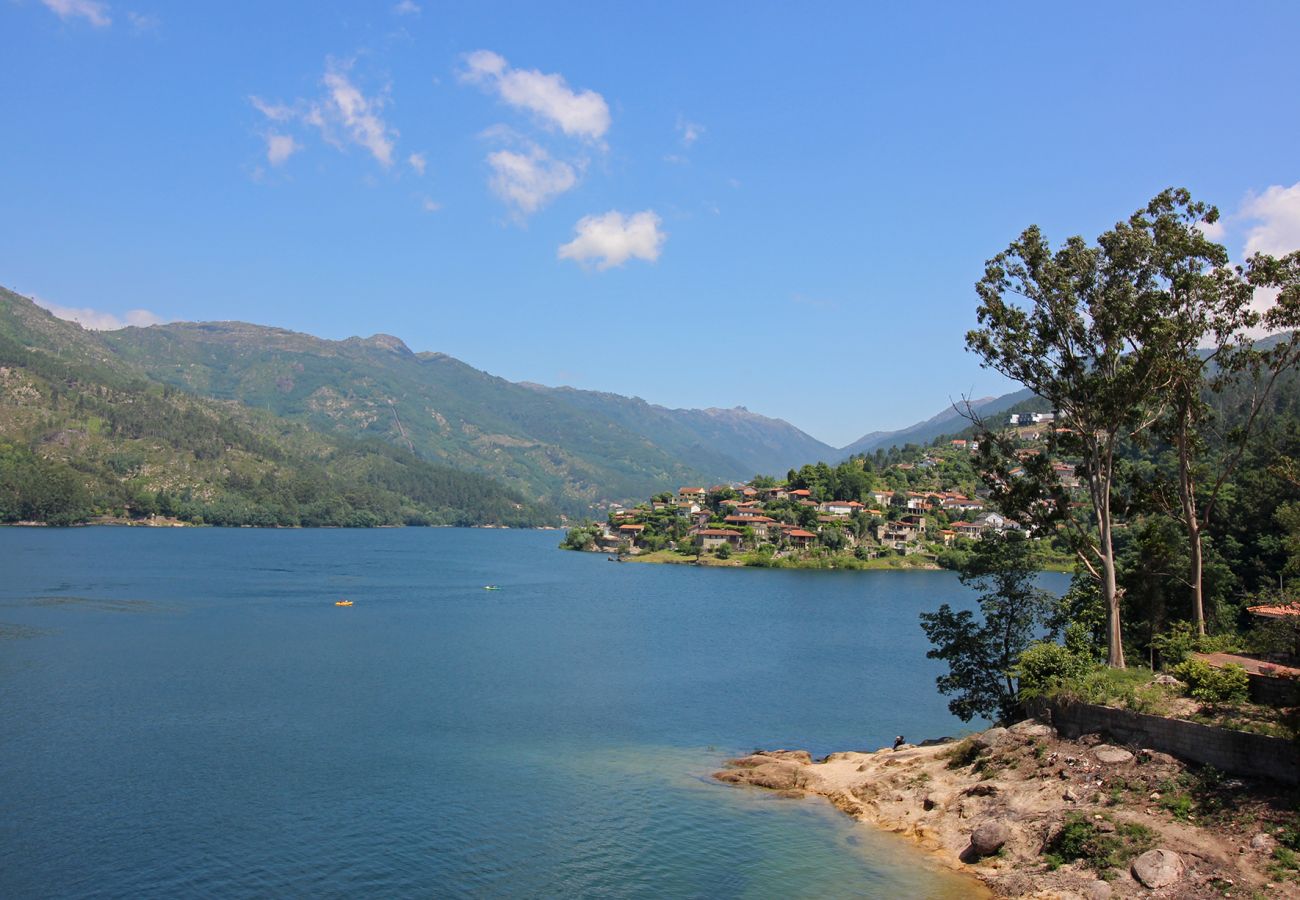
(342, 602)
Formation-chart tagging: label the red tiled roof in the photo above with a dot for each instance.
(801, 492)
(1274, 611)
(800, 533)
(631, 527)
(719, 532)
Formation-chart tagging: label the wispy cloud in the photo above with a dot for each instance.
(417, 162)
(279, 147)
(611, 239)
(358, 115)
(429, 205)
(98, 320)
(689, 132)
(93, 11)
(528, 181)
(548, 97)
(143, 23)
(343, 115)
(407, 8)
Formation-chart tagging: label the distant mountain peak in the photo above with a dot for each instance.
(388, 342)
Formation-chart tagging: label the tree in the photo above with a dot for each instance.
(1077, 344)
(981, 655)
(1200, 320)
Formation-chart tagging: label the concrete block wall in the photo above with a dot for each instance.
(1237, 752)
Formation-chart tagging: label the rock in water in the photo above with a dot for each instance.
(1158, 868)
(989, 837)
(1105, 753)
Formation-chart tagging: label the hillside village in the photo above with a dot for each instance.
(925, 504)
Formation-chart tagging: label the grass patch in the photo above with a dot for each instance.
(1101, 849)
(963, 754)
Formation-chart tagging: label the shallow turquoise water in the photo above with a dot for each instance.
(185, 712)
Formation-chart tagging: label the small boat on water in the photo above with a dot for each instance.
(491, 587)
(342, 602)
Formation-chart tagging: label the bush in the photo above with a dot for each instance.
(1081, 838)
(1046, 665)
(1229, 684)
(723, 551)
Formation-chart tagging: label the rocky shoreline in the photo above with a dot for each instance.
(1032, 815)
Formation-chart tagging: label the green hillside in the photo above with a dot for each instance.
(428, 403)
(84, 433)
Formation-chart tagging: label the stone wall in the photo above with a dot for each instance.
(1237, 752)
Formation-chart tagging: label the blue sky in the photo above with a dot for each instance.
(758, 204)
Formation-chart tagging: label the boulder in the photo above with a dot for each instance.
(1030, 728)
(1164, 678)
(989, 837)
(799, 756)
(991, 738)
(1158, 868)
(1098, 890)
(934, 742)
(1109, 755)
(1263, 842)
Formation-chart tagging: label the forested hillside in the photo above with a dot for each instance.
(431, 404)
(83, 433)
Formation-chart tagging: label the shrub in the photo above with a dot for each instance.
(1080, 838)
(1046, 665)
(1229, 684)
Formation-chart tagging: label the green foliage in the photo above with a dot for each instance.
(723, 551)
(1229, 684)
(1046, 665)
(1080, 838)
(108, 442)
(982, 653)
(581, 537)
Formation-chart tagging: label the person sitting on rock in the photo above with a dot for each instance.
(898, 742)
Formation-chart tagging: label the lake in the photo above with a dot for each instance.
(187, 713)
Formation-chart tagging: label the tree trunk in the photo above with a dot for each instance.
(1187, 495)
(1110, 591)
(1099, 482)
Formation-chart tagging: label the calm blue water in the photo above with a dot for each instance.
(185, 712)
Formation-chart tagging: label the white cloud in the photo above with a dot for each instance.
(612, 239)
(429, 205)
(407, 8)
(1214, 231)
(93, 11)
(1276, 214)
(528, 181)
(279, 147)
(276, 112)
(417, 162)
(581, 114)
(344, 114)
(690, 131)
(97, 320)
(358, 114)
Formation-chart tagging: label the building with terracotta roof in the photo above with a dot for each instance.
(712, 538)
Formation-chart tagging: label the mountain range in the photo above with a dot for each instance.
(567, 449)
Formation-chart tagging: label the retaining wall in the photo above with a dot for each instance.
(1238, 752)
